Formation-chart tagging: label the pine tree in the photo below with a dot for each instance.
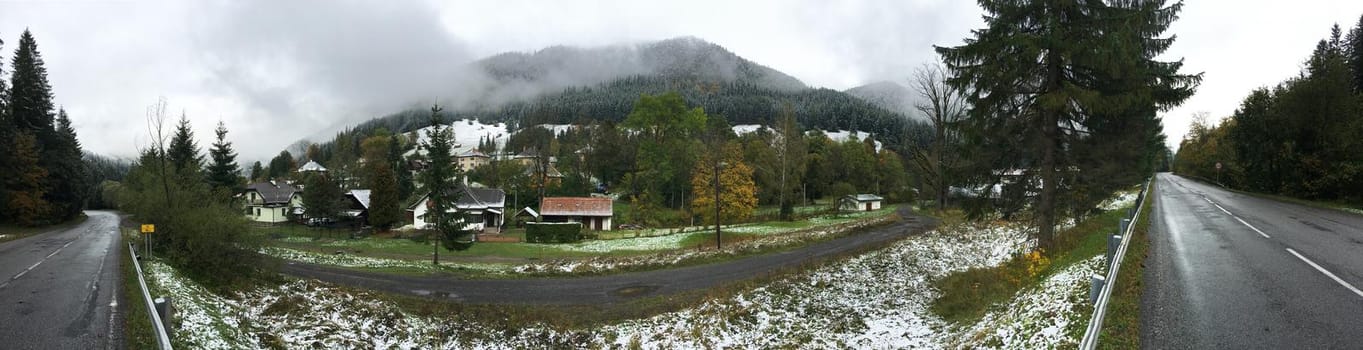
(440, 179)
(26, 205)
(223, 171)
(6, 134)
(257, 171)
(30, 95)
(322, 198)
(384, 208)
(403, 173)
(1353, 44)
(184, 150)
(281, 165)
(68, 178)
(1044, 70)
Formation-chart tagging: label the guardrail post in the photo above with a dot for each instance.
(166, 309)
(1113, 243)
(1122, 227)
(1096, 287)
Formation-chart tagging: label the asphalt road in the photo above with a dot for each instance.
(1233, 271)
(58, 290)
(610, 288)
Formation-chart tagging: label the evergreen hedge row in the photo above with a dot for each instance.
(540, 232)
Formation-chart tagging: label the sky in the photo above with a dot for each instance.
(275, 72)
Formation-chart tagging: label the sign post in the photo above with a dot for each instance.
(1218, 174)
(147, 230)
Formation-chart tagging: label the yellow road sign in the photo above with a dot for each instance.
(148, 228)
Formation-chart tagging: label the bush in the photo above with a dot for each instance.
(568, 232)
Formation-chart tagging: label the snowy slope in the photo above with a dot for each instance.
(839, 136)
(467, 132)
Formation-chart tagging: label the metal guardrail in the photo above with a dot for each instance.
(162, 339)
(1095, 326)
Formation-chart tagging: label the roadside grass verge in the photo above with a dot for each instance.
(137, 329)
(10, 232)
(967, 295)
(1122, 325)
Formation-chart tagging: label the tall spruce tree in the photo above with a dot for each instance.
(1042, 72)
(25, 203)
(30, 95)
(184, 150)
(1354, 50)
(440, 179)
(68, 177)
(400, 169)
(257, 171)
(223, 171)
(6, 137)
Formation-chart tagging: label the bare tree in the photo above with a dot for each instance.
(944, 106)
(156, 121)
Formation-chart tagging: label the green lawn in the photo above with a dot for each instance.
(618, 243)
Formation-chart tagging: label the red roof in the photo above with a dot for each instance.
(575, 206)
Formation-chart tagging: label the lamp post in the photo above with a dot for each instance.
(718, 243)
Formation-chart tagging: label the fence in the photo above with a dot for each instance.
(1101, 288)
(159, 328)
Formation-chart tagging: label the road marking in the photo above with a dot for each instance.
(1326, 272)
(1261, 233)
(35, 265)
(1237, 218)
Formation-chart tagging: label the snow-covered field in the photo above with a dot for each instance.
(467, 132)
(876, 300)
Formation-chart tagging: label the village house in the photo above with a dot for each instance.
(312, 166)
(482, 208)
(357, 206)
(471, 159)
(594, 213)
(272, 202)
(862, 202)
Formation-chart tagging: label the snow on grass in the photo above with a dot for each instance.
(1041, 316)
(1122, 200)
(876, 300)
(203, 320)
(467, 133)
(351, 260)
(667, 242)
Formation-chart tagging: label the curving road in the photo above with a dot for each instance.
(1233, 271)
(611, 288)
(58, 290)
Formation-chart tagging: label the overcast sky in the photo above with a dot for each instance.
(279, 71)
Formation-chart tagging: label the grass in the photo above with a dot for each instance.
(623, 244)
(1122, 326)
(137, 328)
(9, 232)
(967, 295)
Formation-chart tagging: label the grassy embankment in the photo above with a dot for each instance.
(137, 329)
(968, 295)
(9, 232)
(1122, 325)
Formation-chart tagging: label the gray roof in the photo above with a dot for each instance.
(274, 192)
(473, 198)
(865, 197)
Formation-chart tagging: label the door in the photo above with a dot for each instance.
(596, 224)
(868, 206)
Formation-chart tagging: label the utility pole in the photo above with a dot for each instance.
(718, 243)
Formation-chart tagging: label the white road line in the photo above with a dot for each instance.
(35, 265)
(1327, 273)
(1261, 233)
(1237, 218)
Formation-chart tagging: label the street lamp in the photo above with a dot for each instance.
(718, 243)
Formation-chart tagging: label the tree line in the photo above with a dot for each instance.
(46, 181)
(1298, 138)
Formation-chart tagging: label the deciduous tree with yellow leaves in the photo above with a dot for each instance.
(737, 191)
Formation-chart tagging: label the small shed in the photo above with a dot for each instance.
(525, 215)
(862, 202)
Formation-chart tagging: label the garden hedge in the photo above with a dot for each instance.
(543, 232)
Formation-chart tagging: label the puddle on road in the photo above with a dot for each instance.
(635, 291)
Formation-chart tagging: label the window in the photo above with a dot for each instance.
(257, 211)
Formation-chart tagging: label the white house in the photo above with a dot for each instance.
(312, 166)
(594, 213)
(483, 209)
(272, 201)
(862, 202)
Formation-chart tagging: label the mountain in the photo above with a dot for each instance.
(888, 95)
(566, 85)
(681, 58)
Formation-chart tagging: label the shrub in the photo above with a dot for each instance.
(568, 232)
